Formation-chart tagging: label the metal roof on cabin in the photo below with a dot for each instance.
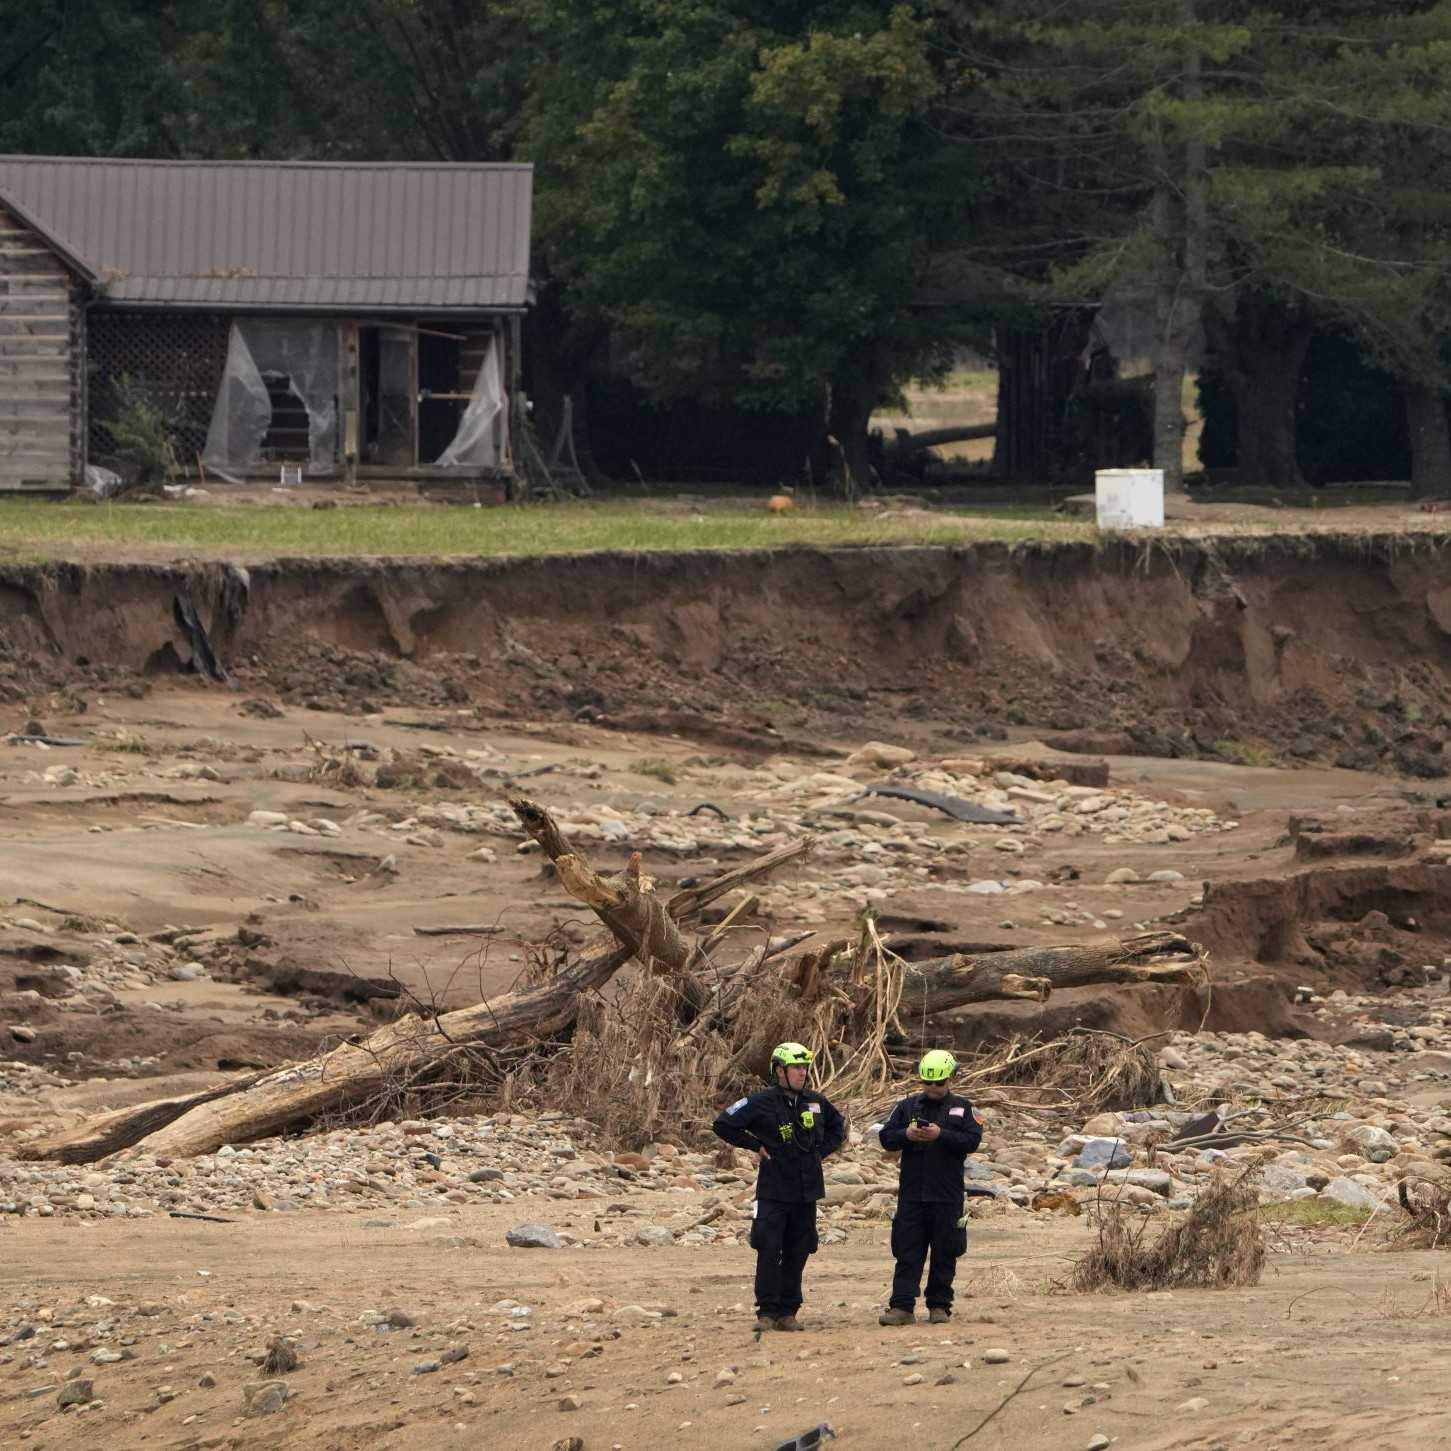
(297, 235)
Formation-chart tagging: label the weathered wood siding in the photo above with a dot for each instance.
(40, 355)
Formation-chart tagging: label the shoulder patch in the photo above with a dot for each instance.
(740, 1103)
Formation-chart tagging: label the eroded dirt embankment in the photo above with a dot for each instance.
(1323, 647)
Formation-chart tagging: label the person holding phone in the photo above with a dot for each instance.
(934, 1130)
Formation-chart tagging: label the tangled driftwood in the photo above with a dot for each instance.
(690, 1018)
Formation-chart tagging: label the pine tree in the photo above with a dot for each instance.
(1276, 163)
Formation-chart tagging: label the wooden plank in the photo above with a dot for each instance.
(53, 457)
(28, 438)
(43, 439)
(34, 403)
(53, 415)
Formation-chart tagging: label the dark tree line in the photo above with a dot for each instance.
(789, 212)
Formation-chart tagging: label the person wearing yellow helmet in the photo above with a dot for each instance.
(934, 1130)
(790, 1129)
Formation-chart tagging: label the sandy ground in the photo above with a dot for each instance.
(1336, 1348)
(148, 864)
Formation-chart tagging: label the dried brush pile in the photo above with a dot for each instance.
(1219, 1244)
(1087, 1070)
(633, 1069)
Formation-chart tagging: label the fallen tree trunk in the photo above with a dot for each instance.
(626, 904)
(938, 984)
(905, 444)
(110, 1132)
(258, 1106)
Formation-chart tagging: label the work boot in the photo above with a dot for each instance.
(938, 1316)
(788, 1322)
(896, 1317)
(765, 1322)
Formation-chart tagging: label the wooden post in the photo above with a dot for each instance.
(350, 399)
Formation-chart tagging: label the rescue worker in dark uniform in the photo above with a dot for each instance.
(934, 1131)
(791, 1129)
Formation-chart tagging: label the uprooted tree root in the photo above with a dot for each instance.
(1219, 1244)
(633, 1070)
(1427, 1207)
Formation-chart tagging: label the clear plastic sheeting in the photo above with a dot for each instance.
(475, 444)
(305, 353)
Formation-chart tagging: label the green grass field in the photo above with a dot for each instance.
(32, 529)
(1312, 1213)
(38, 530)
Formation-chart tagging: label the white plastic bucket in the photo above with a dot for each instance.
(1130, 498)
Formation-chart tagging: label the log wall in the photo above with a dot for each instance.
(40, 364)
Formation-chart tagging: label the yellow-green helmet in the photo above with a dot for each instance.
(791, 1055)
(937, 1066)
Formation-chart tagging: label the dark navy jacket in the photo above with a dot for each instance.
(797, 1130)
(933, 1172)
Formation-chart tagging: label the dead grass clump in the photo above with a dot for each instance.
(334, 767)
(82, 925)
(125, 743)
(1094, 1071)
(281, 1356)
(1427, 1207)
(1219, 1244)
(624, 1071)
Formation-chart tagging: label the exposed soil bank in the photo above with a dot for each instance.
(1330, 647)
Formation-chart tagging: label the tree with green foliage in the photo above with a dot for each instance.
(94, 79)
(440, 80)
(748, 195)
(1274, 160)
